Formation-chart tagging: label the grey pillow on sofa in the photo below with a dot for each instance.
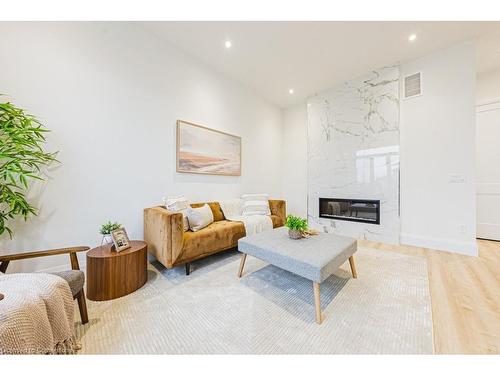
(200, 217)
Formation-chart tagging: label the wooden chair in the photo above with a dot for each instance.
(75, 278)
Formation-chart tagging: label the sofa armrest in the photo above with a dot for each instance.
(164, 233)
(278, 208)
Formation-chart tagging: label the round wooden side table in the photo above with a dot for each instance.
(112, 274)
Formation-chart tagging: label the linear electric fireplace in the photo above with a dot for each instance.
(360, 210)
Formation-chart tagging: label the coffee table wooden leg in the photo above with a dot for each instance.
(242, 264)
(353, 267)
(317, 302)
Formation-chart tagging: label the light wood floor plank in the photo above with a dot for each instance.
(465, 297)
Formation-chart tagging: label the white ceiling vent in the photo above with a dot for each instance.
(413, 85)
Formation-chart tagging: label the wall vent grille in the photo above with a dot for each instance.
(413, 85)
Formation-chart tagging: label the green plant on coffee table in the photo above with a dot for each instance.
(22, 159)
(108, 227)
(296, 223)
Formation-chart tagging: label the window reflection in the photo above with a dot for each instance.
(377, 163)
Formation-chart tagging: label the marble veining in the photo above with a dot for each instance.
(353, 151)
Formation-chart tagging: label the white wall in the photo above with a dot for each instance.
(294, 159)
(437, 142)
(488, 87)
(111, 94)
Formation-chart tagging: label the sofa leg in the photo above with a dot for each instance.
(188, 268)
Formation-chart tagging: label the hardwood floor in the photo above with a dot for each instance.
(465, 297)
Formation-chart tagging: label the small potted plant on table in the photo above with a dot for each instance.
(296, 226)
(106, 230)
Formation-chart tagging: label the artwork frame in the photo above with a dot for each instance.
(120, 239)
(224, 162)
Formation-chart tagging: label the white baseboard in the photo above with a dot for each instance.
(490, 231)
(460, 247)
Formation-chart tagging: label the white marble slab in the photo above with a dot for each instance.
(353, 152)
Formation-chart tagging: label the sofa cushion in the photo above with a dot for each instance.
(175, 204)
(217, 236)
(215, 207)
(199, 217)
(74, 278)
(255, 204)
(178, 204)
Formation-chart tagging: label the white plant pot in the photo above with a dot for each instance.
(295, 234)
(107, 239)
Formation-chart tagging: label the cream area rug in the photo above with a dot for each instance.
(268, 311)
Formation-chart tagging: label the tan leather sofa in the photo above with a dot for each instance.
(167, 241)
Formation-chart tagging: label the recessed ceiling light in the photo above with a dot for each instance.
(290, 91)
(228, 44)
(412, 37)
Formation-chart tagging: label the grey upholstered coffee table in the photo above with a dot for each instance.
(314, 258)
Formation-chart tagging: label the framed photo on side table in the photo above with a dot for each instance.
(120, 239)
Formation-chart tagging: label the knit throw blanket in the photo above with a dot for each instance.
(36, 315)
(253, 223)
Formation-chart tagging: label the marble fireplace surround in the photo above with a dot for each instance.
(353, 152)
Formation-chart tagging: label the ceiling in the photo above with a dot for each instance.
(272, 57)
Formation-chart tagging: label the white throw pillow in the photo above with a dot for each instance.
(178, 204)
(199, 217)
(255, 204)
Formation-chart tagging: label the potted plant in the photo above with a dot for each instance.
(106, 230)
(296, 226)
(22, 159)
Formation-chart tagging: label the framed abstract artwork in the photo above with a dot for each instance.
(207, 151)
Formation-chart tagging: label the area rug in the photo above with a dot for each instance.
(268, 311)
